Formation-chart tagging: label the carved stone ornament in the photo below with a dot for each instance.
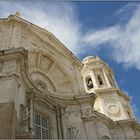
(26, 119)
(87, 114)
(72, 131)
(113, 109)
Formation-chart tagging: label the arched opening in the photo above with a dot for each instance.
(41, 85)
(100, 81)
(42, 82)
(89, 83)
(48, 69)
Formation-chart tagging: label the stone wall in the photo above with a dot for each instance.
(70, 110)
(7, 123)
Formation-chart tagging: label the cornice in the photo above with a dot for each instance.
(126, 122)
(105, 90)
(111, 89)
(121, 93)
(9, 75)
(111, 123)
(12, 53)
(101, 117)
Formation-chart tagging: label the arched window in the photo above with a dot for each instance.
(100, 81)
(89, 83)
(41, 85)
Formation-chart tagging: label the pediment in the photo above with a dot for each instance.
(33, 33)
(47, 56)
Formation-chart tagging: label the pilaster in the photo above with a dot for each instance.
(106, 78)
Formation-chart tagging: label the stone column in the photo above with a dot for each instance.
(31, 110)
(8, 99)
(93, 77)
(115, 81)
(85, 84)
(106, 78)
(26, 128)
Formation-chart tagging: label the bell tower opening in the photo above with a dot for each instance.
(89, 83)
(98, 78)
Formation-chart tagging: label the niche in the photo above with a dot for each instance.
(89, 83)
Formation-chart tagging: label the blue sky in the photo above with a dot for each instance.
(108, 29)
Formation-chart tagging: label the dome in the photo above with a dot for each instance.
(88, 58)
(94, 59)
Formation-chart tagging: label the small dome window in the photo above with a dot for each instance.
(89, 83)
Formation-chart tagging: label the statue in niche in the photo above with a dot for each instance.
(72, 131)
(89, 83)
(25, 118)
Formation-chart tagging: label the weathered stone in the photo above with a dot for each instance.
(42, 94)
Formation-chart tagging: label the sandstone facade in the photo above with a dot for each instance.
(46, 92)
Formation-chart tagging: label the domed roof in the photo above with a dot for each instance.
(93, 59)
(88, 58)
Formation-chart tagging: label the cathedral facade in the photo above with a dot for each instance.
(47, 93)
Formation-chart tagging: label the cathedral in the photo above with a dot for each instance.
(47, 93)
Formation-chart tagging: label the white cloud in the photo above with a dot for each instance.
(99, 37)
(122, 40)
(127, 9)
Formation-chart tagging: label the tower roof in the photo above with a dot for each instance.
(95, 62)
(90, 59)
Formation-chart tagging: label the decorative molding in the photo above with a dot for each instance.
(114, 109)
(9, 75)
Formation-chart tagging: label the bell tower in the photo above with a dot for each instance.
(99, 78)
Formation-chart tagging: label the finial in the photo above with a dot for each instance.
(17, 14)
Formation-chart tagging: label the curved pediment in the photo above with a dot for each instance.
(47, 73)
